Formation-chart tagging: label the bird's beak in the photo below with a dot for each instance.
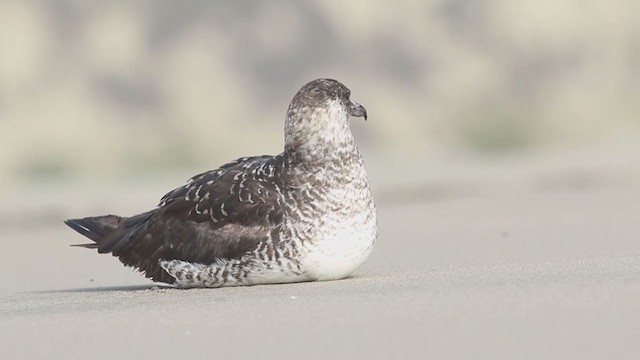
(357, 110)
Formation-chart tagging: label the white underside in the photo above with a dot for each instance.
(338, 256)
(327, 259)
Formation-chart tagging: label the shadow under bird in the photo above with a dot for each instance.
(305, 214)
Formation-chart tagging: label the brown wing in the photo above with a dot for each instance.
(223, 213)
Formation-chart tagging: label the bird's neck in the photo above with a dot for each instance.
(318, 136)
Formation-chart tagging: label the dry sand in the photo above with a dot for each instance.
(529, 257)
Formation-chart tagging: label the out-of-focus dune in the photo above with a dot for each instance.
(107, 89)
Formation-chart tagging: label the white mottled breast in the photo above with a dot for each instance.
(345, 238)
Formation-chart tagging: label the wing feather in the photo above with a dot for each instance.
(223, 213)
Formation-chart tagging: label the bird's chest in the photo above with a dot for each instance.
(342, 236)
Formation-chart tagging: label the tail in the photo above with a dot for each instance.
(96, 228)
(110, 233)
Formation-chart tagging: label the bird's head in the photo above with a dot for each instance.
(318, 116)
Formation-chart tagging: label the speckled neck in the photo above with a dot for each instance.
(315, 137)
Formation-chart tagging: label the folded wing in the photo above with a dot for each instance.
(223, 213)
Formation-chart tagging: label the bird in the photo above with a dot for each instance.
(306, 214)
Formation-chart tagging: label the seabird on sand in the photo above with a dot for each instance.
(303, 215)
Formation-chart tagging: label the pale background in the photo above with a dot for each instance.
(503, 146)
(119, 87)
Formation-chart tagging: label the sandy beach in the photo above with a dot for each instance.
(523, 257)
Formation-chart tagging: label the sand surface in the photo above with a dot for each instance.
(515, 258)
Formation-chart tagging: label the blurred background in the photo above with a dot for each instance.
(118, 89)
(502, 145)
(105, 106)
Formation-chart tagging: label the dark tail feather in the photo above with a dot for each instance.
(95, 228)
(120, 240)
(111, 233)
(86, 246)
